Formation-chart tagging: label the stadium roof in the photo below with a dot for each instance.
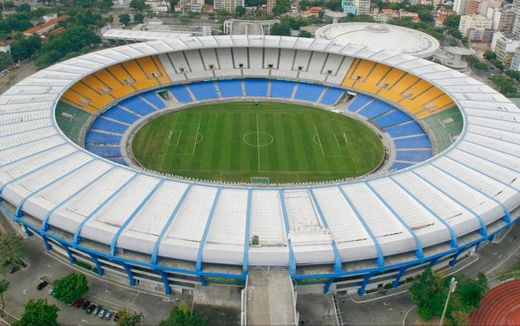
(468, 187)
(381, 36)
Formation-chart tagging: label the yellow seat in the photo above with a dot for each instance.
(118, 89)
(393, 93)
(392, 77)
(347, 81)
(141, 81)
(96, 100)
(370, 84)
(152, 71)
(79, 101)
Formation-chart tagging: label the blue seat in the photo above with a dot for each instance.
(332, 95)
(137, 105)
(413, 156)
(104, 151)
(107, 125)
(230, 88)
(359, 101)
(94, 137)
(181, 94)
(391, 119)
(400, 165)
(308, 92)
(282, 88)
(153, 98)
(203, 90)
(119, 160)
(407, 129)
(375, 109)
(117, 113)
(256, 87)
(413, 142)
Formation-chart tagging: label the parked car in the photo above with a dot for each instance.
(85, 305)
(51, 291)
(90, 309)
(116, 316)
(101, 313)
(97, 310)
(108, 315)
(42, 285)
(78, 303)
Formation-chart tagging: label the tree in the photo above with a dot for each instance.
(6, 60)
(69, 288)
(24, 7)
(138, 18)
(11, 252)
(128, 318)
(240, 11)
(24, 47)
(124, 19)
(138, 5)
(429, 294)
(459, 318)
(38, 313)
(490, 55)
(280, 29)
(513, 74)
(4, 285)
(281, 7)
(182, 315)
(452, 22)
(304, 34)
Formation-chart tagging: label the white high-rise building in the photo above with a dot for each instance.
(516, 24)
(475, 22)
(362, 7)
(228, 5)
(460, 6)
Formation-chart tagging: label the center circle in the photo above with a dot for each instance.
(258, 138)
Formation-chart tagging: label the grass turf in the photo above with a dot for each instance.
(242, 140)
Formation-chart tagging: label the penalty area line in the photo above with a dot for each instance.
(319, 140)
(195, 142)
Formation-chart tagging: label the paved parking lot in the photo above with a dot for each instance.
(41, 264)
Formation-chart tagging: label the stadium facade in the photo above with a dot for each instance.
(165, 232)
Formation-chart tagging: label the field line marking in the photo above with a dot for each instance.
(257, 142)
(195, 142)
(178, 138)
(337, 142)
(319, 141)
(168, 144)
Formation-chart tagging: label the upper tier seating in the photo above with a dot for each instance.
(415, 95)
(107, 85)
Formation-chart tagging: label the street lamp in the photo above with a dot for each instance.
(453, 286)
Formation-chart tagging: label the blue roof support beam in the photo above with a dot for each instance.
(418, 244)
(379, 250)
(338, 263)
(292, 257)
(397, 281)
(247, 233)
(164, 277)
(46, 218)
(200, 253)
(157, 244)
(19, 208)
(113, 246)
(130, 274)
(453, 235)
(99, 268)
(69, 253)
(483, 228)
(77, 233)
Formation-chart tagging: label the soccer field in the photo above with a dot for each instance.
(245, 141)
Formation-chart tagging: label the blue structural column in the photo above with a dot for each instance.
(69, 253)
(292, 258)
(164, 277)
(130, 274)
(453, 261)
(397, 281)
(362, 287)
(99, 268)
(200, 252)
(247, 233)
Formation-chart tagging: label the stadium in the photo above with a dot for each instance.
(78, 162)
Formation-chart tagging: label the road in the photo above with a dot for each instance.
(17, 74)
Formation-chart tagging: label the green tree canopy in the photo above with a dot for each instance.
(181, 315)
(124, 19)
(280, 29)
(452, 21)
(4, 285)
(138, 18)
(490, 55)
(240, 11)
(304, 34)
(6, 60)
(128, 318)
(71, 287)
(281, 7)
(138, 5)
(38, 313)
(24, 47)
(11, 252)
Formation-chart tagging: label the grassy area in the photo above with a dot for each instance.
(239, 141)
(218, 316)
(70, 120)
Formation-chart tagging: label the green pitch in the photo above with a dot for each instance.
(239, 141)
